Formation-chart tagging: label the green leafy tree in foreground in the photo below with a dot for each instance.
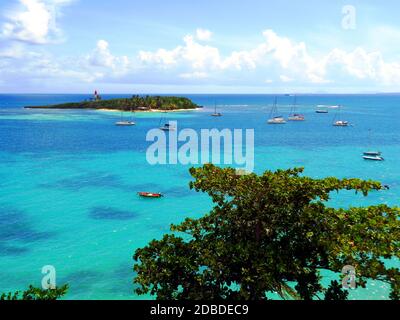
(271, 233)
(36, 294)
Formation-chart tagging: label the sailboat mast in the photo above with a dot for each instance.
(337, 114)
(273, 108)
(369, 138)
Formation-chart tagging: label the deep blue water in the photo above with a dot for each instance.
(68, 178)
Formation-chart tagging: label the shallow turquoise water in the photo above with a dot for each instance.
(68, 180)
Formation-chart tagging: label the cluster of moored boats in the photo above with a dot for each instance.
(273, 119)
(128, 123)
(295, 116)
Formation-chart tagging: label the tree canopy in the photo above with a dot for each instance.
(35, 294)
(271, 233)
(126, 104)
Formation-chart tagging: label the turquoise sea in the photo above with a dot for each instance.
(68, 179)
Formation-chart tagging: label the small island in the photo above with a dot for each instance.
(135, 103)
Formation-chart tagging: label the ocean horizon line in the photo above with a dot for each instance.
(210, 94)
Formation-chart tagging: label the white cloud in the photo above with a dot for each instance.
(162, 57)
(34, 21)
(277, 54)
(192, 54)
(102, 58)
(275, 61)
(194, 75)
(283, 59)
(41, 69)
(203, 34)
(363, 66)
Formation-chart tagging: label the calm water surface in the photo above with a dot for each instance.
(68, 179)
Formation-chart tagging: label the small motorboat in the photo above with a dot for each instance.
(150, 195)
(374, 158)
(167, 127)
(341, 123)
(322, 109)
(373, 153)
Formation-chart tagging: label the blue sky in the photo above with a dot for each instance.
(120, 46)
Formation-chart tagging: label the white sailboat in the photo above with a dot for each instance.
(216, 114)
(340, 123)
(124, 123)
(274, 119)
(166, 126)
(294, 115)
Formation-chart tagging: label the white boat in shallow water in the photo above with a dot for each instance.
(124, 123)
(277, 120)
(340, 123)
(372, 155)
(273, 118)
(374, 158)
(297, 117)
(322, 109)
(294, 116)
(216, 114)
(167, 127)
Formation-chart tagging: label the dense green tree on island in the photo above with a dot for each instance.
(136, 102)
(271, 233)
